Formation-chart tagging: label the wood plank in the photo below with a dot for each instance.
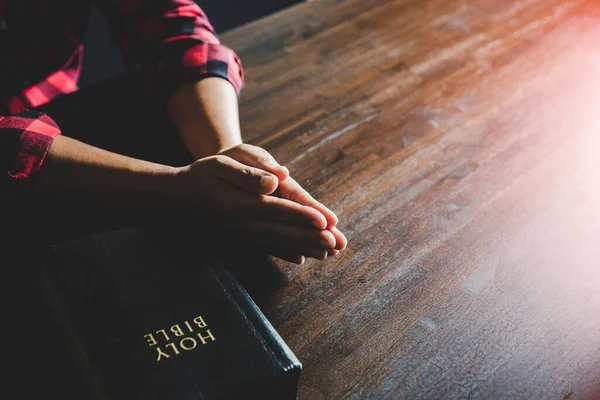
(457, 141)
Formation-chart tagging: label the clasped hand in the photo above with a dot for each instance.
(255, 198)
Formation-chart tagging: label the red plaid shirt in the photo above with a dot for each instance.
(41, 54)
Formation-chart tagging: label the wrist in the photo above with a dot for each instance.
(222, 148)
(165, 187)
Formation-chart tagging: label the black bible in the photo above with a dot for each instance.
(147, 323)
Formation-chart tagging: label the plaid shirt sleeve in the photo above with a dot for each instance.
(25, 138)
(172, 40)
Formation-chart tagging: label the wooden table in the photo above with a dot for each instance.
(458, 142)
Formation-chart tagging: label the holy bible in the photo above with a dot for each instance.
(148, 322)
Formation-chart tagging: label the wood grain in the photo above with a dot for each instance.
(458, 142)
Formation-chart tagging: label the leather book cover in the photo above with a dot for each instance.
(147, 323)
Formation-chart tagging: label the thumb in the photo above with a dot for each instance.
(257, 157)
(250, 179)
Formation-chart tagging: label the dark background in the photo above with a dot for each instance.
(39, 361)
(102, 60)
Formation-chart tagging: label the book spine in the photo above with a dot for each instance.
(281, 354)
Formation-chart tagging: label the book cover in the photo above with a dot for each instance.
(146, 322)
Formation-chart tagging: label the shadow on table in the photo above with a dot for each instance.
(255, 270)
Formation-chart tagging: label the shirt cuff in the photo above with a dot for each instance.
(202, 61)
(27, 136)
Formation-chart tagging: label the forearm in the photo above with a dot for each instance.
(206, 116)
(87, 175)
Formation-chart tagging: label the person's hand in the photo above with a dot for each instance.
(291, 190)
(288, 188)
(237, 198)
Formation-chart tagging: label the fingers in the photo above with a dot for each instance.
(293, 258)
(283, 240)
(291, 190)
(340, 240)
(283, 210)
(319, 254)
(254, 170)
(253, 180)
(257, 157)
